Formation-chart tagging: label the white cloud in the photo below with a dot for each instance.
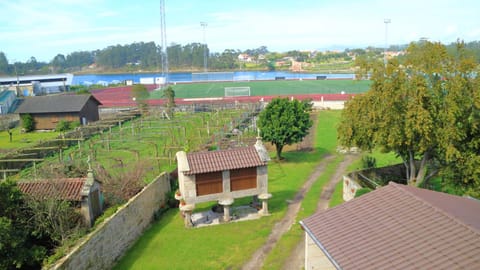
(45, 28)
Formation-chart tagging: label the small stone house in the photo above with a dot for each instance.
(85, 193)
(222, 176)
(395, 227)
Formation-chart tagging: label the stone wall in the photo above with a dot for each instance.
(350, 187)
(101, 248)
(333, 105)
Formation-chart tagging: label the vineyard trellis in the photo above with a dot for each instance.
(129, 137)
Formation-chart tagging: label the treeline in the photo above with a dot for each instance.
(147, 56)
(141, 55)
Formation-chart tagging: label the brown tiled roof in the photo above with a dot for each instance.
(214, 161)
(400, 227)
(66, 189)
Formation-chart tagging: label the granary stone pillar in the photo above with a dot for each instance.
(86, 203)
(187, 210)
(264, 198)
(226, 208)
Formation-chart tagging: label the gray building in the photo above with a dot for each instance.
(36, 85)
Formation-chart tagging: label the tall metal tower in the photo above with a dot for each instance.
(205, 58)
(163, 42)
(386, 21)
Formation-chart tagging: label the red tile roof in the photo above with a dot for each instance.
(66, 189)
(400, 227)
(214, 161)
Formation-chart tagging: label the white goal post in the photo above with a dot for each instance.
(238, 91)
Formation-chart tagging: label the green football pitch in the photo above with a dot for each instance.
(268, 88)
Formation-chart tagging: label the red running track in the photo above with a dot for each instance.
(120, 97)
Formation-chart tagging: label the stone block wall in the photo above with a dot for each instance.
(332, 105)
(102, 247)
(350, 187)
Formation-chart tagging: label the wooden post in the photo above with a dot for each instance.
(34, 170)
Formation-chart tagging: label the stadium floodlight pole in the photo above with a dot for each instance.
(204, 25)
(163, 41)
(386, 21)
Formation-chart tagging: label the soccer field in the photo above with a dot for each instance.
(269, 88)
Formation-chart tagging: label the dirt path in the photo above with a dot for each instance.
(296, 260)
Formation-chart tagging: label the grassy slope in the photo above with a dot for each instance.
(20, 139)
(167, 243)
(266, 88)
(150, 137)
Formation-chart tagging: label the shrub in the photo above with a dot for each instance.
(74, 124)
(121, 185)
(63, 126)
(27, 123)
(369, 162)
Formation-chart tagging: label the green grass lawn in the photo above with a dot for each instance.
(326, 139)
(168, 244)
(268, 88)
(20, 139)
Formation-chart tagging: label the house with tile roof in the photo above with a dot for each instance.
(222, 176)
(84, 193)
(395, 227)
(47, 111)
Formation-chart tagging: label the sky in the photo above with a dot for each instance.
(43, 29)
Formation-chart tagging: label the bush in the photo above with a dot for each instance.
(369, 162)
(63, 126)
(120, 186)
(74, 124)
(27, 123)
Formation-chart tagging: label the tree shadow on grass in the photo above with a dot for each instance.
(314, 155)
